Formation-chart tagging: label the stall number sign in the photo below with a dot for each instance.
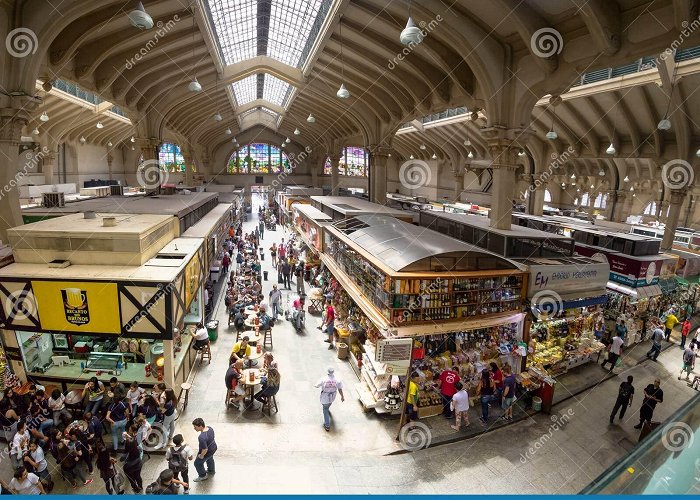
(75, 306)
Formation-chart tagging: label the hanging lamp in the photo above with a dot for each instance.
(99, 125)
(139, 18)
(311, 119)
(194, 85)
(611, 149)
(297, 131)
(343, 93)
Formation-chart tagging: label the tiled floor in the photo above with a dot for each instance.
(289, 452)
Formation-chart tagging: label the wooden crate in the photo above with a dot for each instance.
(429, 411)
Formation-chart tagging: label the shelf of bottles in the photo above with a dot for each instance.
(416, 300)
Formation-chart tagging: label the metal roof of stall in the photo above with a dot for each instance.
(398, 244)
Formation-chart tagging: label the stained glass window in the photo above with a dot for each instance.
(601, 201)
(170, 158)
(353, 162)
(258, 158)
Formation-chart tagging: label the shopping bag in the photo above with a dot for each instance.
(618, 363)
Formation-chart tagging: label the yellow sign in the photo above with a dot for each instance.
(77, 306)
(192, 279)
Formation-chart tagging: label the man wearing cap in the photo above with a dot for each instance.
(329, 386)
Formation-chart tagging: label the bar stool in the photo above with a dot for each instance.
(267, 338)
(205, 352)
(269, 402)
(186, 392)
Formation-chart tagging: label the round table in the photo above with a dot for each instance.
(77, 424)
(250, 322)
(250, 386)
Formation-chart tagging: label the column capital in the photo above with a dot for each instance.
(529, 178)
(12, 121)
(379, 150)
(145, 144)
(678, 195)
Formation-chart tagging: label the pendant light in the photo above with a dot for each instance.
(697, 153)
(611, 149)
(283, 145)
(311, 119)
(342, 93)
(664, 124)
(35, 131)
(626, 179)
(217, 117)
(297, 131)
(410, 157)
(109, 144)
(434, 157)
(601, 173)
(132, 139)
(573, 176)
(631, 188)
(82, 140)
(521, 152)
(194, 85)
(411, 34)
(139, 18)
(99, 125)
(470, 155)
(467, 142)
(552, 135)
(44, 117)
(228, 131)
(422, 147)
(287, 140)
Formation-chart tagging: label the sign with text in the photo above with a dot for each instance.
(568, 278)
(77, 306)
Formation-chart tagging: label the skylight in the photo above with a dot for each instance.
(245, 90)
(275, 90)
(284, 30)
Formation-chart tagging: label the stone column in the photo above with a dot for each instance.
(676, 202)
(459, 184)
(538, 198)
(620, 201)
(315, 165)
(504, 152)
(49, 166)
(189, 164)
(110, 160)
(378, 158)
(11, 123)
(150, 178)
(335, 176)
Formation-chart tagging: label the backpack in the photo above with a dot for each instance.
(688, 357)
(239, 321)
(178, 461)
(625, 390)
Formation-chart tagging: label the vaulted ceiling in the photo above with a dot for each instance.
(268, 64)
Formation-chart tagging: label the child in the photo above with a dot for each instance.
(134, 395)
(178, 457)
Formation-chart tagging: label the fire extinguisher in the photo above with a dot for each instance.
(148, 369)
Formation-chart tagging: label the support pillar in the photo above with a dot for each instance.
(620, 201)
(150, 176)
(189, 170)
(48, 166)
(538, 199)
(11, 123)
(378, 158)
(676, 202)
(504, 145)
(459, 185)
(335, 175)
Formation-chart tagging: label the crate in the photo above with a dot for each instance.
(116, 190)
(51, 200)
(429, 411)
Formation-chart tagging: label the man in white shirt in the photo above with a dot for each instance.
(201, 337)
(26, 483)
(460, 406)
(275, 298)
(330, 387)
(615, 351)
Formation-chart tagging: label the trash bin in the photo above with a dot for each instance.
(213, 329)
(536, 403)
(343, 350)
(265, 275)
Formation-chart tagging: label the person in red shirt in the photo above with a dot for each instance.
(685, 330)
(446, 382)
(497, 377)
(329, 323)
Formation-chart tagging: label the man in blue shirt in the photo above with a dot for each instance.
(207, 448)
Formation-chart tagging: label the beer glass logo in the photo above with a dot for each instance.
(75, 305)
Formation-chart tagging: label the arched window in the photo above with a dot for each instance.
(547, 196)
(585, 200)
(170, 158)
(650, 209)
(601, 201)
(353, 162)
(258, 158)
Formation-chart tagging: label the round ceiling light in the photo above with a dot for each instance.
(311, 119)
(343, 93)
(140, 19)
(194, 86)
(411, 34)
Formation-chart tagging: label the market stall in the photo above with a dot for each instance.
(566, 298)
(67, 322)
(309, 223)
(450, 304)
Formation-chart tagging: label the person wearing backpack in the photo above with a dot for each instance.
(688, 362)
(330, 387)
(166, 484)
(625, 395)
(178, 458)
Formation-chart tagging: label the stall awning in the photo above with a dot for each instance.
(584, 301)
(668, 285)
(636, 293)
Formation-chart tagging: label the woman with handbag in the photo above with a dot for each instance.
(485, 391)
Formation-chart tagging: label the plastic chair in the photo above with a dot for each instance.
(205, 352)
